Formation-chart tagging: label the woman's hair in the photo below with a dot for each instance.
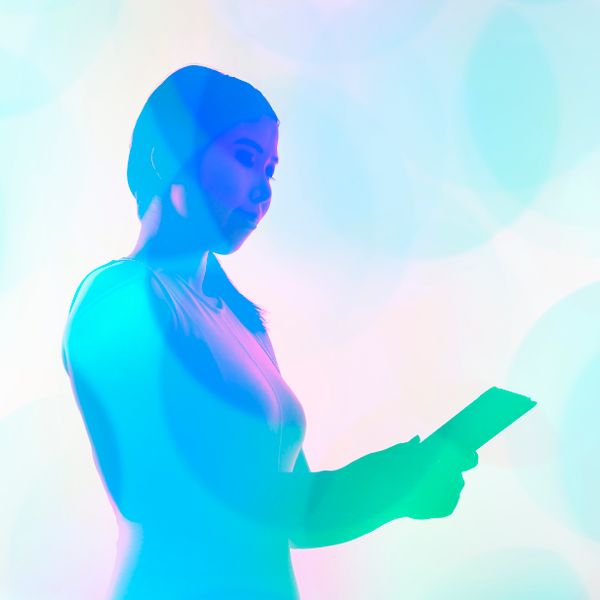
(183, 115)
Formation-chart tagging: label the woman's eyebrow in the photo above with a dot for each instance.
(254, 145)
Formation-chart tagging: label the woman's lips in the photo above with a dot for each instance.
(250, 221)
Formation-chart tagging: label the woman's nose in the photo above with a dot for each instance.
(260, 193)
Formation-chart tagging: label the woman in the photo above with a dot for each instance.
(196, 435)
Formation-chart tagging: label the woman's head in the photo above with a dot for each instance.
(207, 142)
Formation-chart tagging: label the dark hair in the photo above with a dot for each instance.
(188, 110)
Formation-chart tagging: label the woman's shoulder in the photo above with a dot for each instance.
(116, 279)
(117, 297)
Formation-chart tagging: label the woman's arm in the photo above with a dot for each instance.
(404, 480)
(343, 504)
(165, 433)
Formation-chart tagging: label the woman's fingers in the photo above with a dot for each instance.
(461, 459)
(471, 460)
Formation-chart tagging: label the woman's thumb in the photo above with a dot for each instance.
(414, 440)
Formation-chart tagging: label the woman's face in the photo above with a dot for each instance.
(231, 190)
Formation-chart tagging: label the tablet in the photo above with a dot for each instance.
(482, 420)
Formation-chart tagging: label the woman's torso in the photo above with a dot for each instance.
(192, 540)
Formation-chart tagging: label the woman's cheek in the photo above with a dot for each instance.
(230, 186)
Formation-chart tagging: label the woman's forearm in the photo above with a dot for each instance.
(323, 508)
(343, 504)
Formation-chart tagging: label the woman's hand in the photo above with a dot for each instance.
(422, 480)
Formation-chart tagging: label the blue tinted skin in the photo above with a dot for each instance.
(189, 468)
(209, 209)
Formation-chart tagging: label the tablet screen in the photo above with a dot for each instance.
(482, 420)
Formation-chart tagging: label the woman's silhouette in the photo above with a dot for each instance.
(196, 435)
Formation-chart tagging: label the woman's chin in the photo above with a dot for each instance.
(229, 244)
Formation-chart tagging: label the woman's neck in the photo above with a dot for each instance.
(166, 246)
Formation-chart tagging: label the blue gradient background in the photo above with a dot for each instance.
(434, 231)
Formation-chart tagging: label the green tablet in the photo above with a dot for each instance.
(482, 420)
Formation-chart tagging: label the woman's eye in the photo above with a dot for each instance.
(244, 157)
